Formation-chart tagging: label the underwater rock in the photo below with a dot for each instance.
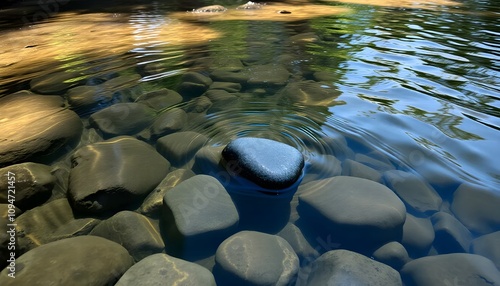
(488, 246)
(355, 211)
(269, 164)
(133, 231)
(227, 86)
(393, 254)
(255, 258)
(293, 235)
(85, 99)
(83, 260)
(451, 235)
(163, 269)
(450, 269)
(309, 93)
(343, 267)
(110, 175)
(418, 235)
(273, 75)
(55, 82)
(33, 184)
(180, 147)
(359, 170)
(197, 215)
(160, 99)
(194, 84)
(35, 125)
(168, 122)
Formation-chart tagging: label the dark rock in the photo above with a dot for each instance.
(85, 99)
(355, 169)
(355, 210)
(254, 258)
(179, 148)
(477, 208)
(121, 83)
(230, 76)
(84, 260)
(343, 267)
(75, 227)
(269, 164)
(418, 235)
(160, 99)
(162, 269)
(198, 214)
(110, 175)
(206, 161)
(122, 119)
(393, 254)
(451, 235)
(325, 76)
(133, 231)
(227, 86)
(228, 103)
(488, 246)
(5, 239)
(194, 84)
(55, 82)
(293, 235)
(226, 64)
(168, 122)
(322, 167)
(267, 75)
(419, 196)
(450, 269)
(219, 95)
(309, 93)
(152, 203)
(199, 104)
(33, 184)
(380, 165)
(35, 125)
(5, 209)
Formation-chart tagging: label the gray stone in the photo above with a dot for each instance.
(355, 169)
(179, 148)
(161, 269)
(83, 260)
(477, 208)
(354, 210)
(269, 164)
(380, 165)
(152, 203)
(393, 254)
(198, 214)
(219, 95)
(199, 104)
(168, 122)
(293, 235)
(451, 269)
(343, 267)
(418, 235)
(325, 76)
(267, 75)
(488, 246)
(206, 161)
(451, 235)
(230, 76)
(133, 231)
(75, 227)
(309, 93)
(254, 258)
(110, 175)
(122, 119)
(55, 82)
(194, 84)
(227, 86)
(160, 99)
(32, 184)
(210, 9)
(322, 167)
(35, 125)
(84, 99)
(226, 64)
(419, 196)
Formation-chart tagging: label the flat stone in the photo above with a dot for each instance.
(451, 235)
(477, 208)
(206, 161)
(75, 227)
(419, 196)
(267, 163)
(110, 175)
(418, 235)
(343, 267)
(180, 147)
(85, 99)
(198, 214)
(199, 104)
(33, 184)
(216, 95)
(227, 86)
(162, 269)
(160, 99)
(393, 254)
(254, 258)
(380, 165)
(488, 246)
(35, 125)
(309, 93)
(194, 84)
(230, 76)
(353, 210)
(267, 75)
(83, 260)
(152, 203)
(133, 231)
(450, 269)
(168, 122)
(356, 169)
(54, 82)
(122, 119)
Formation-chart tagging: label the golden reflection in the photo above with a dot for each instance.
(417, 4)
(270, 12)
(33, 50)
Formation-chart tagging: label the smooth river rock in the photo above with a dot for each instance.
(393, 254)
(110, 175)
(270, 164)
(255, 258)
(33, 184)
(168, 122)
(309, 93)
(451, 269)
(488, 246)
(198, 214)
(418, 235)
(162, 269)
(356, 211)
(160, 99)
(84, 260)
(451, 235)
(343, 267)
(35, 125)
(180, 147)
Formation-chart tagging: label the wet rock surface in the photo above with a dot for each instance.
(488, 246)
(180, 147)
(110, 175)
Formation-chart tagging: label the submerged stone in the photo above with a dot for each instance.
(160, 99)
(393, 254)
(270, 164)
(180, 147)
(418, 235)
(488, 246)
(451, 235)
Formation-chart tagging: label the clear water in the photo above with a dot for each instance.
(417, 84)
